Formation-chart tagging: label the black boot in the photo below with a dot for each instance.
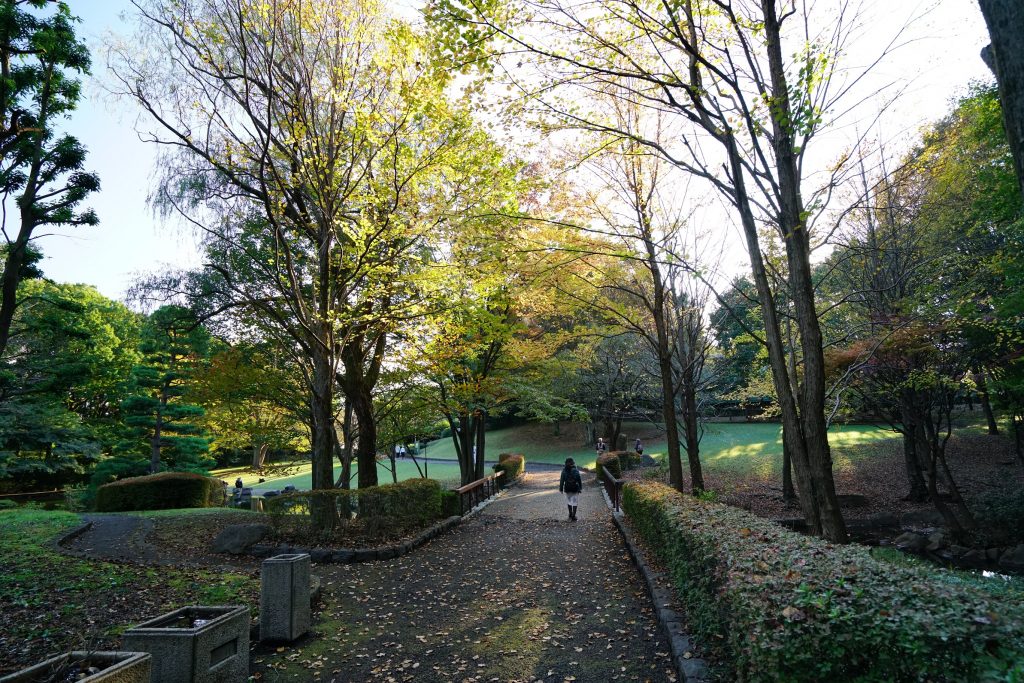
(572, 514)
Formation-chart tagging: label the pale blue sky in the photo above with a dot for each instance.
(130, 241)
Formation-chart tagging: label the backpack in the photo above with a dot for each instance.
(573, 481)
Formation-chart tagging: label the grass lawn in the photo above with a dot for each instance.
(51, 602)
(301, 478)
(729, 448)
(736, 448)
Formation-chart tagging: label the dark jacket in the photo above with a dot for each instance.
(570, 474)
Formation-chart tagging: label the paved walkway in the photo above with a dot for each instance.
(515, 594)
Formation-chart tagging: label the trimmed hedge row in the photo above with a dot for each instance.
(780, 606)
(408, 504)
(612, 462)
(513, 465)
(163, 491)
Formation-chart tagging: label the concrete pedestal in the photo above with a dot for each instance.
(195, 644)
(284, 598)
(115, 667)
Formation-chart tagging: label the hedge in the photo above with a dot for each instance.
(775, 605)
(163, 491)
(450, 504)
(512, 465)
(612, 462)
(397, 507)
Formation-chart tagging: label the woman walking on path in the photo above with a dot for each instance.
(571, 483)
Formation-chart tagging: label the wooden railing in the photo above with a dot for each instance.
(475, 491)
(613, 487)
(38, 496)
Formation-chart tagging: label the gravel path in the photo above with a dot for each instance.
(517, 593)
(116, 537)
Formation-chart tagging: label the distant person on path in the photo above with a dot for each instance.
(238, 483)
(601, 446)
(638, 447)
(571, 483)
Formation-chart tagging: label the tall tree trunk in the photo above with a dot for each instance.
(345, 452)
(986, 405)
(915, 477)
(259, 455)
(691, 427)
(154, 443)
(813, 455)
(1005, 20)
(463, 437)
(788, 492)
(13, 265)
(366, 444)
(323, 514)
(480, 417)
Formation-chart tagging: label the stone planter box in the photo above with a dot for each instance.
(195, 644)
(114, 667)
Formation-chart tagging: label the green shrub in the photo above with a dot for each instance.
(610, 461)
(300, 503)
(407, 504)
(513, 465)
(78, 498)
(780, 606)
(628, 459)
(7, 504)
(391, 508)
(450, 505)
(163, 491)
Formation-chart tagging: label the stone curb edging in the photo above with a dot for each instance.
(690, 669)
(387, 552)
(60, 543)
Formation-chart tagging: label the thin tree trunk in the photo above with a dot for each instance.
(814, 454)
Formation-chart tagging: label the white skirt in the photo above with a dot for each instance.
(572, 498)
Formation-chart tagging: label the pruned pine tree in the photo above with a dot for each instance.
(166, 425)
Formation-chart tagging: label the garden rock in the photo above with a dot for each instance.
(975, 558)
(910, 541)
(647, 461)
(237, 538)
(1013, 559)
(343, 556)
(320, 555)
(937, 539)
(921, 518)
